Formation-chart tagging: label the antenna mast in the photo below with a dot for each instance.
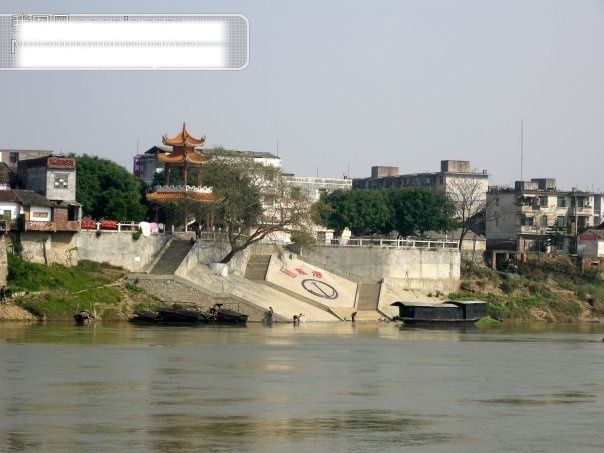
(521, 148)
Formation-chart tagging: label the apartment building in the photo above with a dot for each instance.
(534, 215)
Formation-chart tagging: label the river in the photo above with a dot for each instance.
(317, 387)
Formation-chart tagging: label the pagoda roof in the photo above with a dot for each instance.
(182, 156)
(175, 196)
(183, 139)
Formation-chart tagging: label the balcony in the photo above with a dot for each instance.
(587, 211)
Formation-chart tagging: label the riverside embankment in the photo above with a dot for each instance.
(544, 289)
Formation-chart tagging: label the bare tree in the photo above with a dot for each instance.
(469, 197)
(257, 203)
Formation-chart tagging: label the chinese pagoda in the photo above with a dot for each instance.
(184, 156)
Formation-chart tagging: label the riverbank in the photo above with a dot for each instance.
(543, 289)
(57, 292)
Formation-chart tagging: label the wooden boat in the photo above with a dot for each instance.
(179, 314)
(220, 315)
(144, 317)
(83, 317)
(449, 312)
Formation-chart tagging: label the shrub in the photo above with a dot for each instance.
(508, 286)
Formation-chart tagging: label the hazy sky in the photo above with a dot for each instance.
(346, 85)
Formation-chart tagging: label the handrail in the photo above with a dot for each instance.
(393, 243)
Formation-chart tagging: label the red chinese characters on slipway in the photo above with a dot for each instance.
(298, 271)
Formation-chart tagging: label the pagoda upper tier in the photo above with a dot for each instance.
(183, 148)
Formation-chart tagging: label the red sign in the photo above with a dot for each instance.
(588, 237)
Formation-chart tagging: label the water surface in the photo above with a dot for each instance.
(315, 387)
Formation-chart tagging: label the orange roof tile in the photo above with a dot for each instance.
(180, 156)
(172, 196)
(183, 139)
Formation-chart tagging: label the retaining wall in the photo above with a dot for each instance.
(411, 269)
(120, 249)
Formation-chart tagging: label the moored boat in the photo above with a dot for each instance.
(180, 314)
(220, 315)
(83, 317)
(449, 312)
(144, 317)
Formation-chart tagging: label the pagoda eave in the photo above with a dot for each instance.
(177, 196)
(182, 158)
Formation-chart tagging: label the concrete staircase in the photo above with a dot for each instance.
(257, 267)
(367, 302)
(172, 257)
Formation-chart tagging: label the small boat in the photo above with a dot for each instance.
(449, 312)
(220, 315)
(83, 317)
(179, 314)
(144, 317)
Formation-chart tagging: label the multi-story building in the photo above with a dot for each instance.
(146, 165)
(452, 174)
(315, 187)
(11, 157)
(535, 213)
(54, 178)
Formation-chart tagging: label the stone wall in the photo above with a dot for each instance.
(49, 248)
(417, 268)
(120, 249)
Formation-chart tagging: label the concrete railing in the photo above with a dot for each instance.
(119, 227)
(393, 243)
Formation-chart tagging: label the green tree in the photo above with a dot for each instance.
(408, 211)
(416, 210)
(362, 211)
(256, 202)
(106, 189)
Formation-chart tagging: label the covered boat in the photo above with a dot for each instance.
(144, 317)
(180, 314)
(449, 312)
(83, 317)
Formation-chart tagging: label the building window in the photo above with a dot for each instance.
(543, 220)
(561, 221)
(544, 201)
(13, 158)
(527, 221)
(61, 181)
(561, 202)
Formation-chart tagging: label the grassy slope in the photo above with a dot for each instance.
(544, 288)
(57, 292)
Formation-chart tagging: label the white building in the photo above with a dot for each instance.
(535, 213)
